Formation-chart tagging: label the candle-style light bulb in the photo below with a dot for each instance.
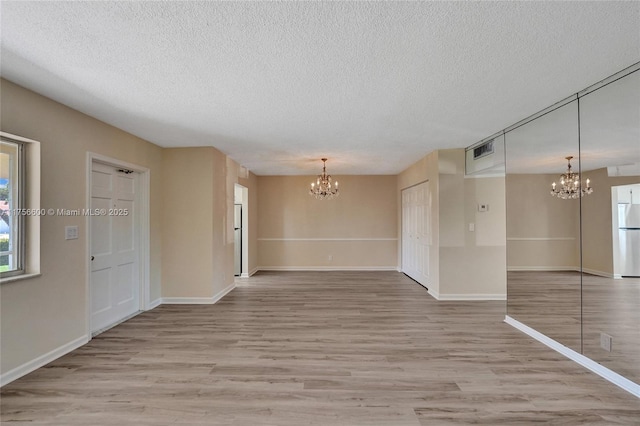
(553, 186)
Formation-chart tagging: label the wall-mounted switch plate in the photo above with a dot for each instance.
(483, 207)
(70, 232)
(606, 341)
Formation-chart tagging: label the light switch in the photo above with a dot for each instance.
(472, 227)
(70, 232)
(483, 207)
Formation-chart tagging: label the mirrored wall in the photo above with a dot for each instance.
(610, 157)
(574, 261)
(543, 232)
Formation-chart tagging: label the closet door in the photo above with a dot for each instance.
(416, 238)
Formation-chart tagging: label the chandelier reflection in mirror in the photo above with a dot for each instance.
(324, 188)
(570, 187)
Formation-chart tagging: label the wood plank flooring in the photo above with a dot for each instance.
(317, 348)
(575, 309)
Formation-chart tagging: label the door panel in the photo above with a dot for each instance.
(115, 273)
(416, 232)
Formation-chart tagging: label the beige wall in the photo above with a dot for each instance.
(358, 229)
(462, 264)
(198, 241)
(472, 263)
(187, 269)
(542, 231)
(47, 312)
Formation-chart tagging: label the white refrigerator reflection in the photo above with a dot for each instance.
(629, 237)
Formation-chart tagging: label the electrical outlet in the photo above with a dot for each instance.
(330, 257)
(70, 232)
(606, 341)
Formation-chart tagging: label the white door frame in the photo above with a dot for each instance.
(144, 262)
(245, 227)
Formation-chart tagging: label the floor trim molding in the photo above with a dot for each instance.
(613, 377)
(599, 273)
(563, 268)
(155, 304)
(328, 268)
(542, 268)
(42, 360)
(198, 300)
(479, 296)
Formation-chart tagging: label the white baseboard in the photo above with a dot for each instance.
(42, 360)
(479, 296)
(598, 273)
(328, 268)
(155, 304)
(542, 268)
(562, 268)
(198, 300)
(613, 377)
(250, 273)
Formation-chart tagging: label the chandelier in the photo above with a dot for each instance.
(570, 187)
(324, 188)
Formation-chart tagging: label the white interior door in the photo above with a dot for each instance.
(115, 273)
(416, 237)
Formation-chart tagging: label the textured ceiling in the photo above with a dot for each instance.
(373, 86)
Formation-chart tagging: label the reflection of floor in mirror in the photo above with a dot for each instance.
(549, 301)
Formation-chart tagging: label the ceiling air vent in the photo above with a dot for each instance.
(483, 150)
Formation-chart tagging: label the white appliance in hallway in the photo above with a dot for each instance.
(629, 239)
(237, 228)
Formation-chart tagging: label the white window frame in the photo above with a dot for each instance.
(29, 224)
(17, 232)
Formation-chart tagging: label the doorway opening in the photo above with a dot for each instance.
(241, 230)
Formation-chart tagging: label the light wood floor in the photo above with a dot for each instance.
(317, 348)
(575, 309)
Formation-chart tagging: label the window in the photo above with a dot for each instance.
(12, 207)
